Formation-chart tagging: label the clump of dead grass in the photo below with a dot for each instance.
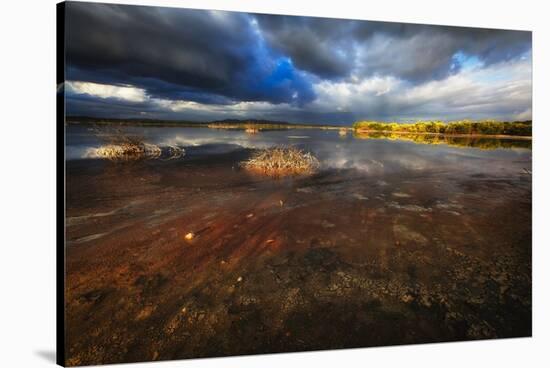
(124, 147)
(251, 130)
(282, 161)
(127, 152)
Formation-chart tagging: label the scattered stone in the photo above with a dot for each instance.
(145, 313)
(189, 236)
(409, 207)
(240, 279)
(281, 203)
(250, 215)
(269, 241)
(327, 225)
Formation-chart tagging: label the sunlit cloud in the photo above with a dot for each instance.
(126, 93)
(501, 90)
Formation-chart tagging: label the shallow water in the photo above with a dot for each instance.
(369, 154)
(390, 242)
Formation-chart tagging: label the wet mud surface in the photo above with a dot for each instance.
(338, 259)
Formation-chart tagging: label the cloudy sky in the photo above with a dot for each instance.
(168, 63)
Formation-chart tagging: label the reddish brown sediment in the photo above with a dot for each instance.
(332, 260)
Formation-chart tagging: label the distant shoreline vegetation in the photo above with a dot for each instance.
(244, 124)
(460, 127)
(492, 128)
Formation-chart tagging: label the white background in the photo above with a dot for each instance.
(27, 180)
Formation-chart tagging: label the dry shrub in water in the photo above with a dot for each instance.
(122, 147)
(282, 161)
(129, 151)
(252, 130)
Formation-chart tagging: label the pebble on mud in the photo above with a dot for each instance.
(145, 313)
(250, 215)
(240, 279)
(189, 236)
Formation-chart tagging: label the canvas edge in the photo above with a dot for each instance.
(60, 184)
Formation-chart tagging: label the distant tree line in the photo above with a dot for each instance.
(485, 127)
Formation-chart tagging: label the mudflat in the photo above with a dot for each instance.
(387, 243)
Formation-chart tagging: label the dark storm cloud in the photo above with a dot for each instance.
(319, 45)
(178, 53)
(333, 48)
(299, 69)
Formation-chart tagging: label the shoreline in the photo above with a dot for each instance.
(292, 126)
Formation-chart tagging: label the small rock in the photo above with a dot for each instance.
(189, 236)
(250, 215)
(401, 195)
(327, 225)
(281, 203)
(240, 279)
(269, 241)
(359, 196)
(145, 313)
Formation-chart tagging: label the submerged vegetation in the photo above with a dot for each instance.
(461, 127)
(282, 161)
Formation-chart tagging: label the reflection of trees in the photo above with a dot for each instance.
(489, 127)
(475, 142)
